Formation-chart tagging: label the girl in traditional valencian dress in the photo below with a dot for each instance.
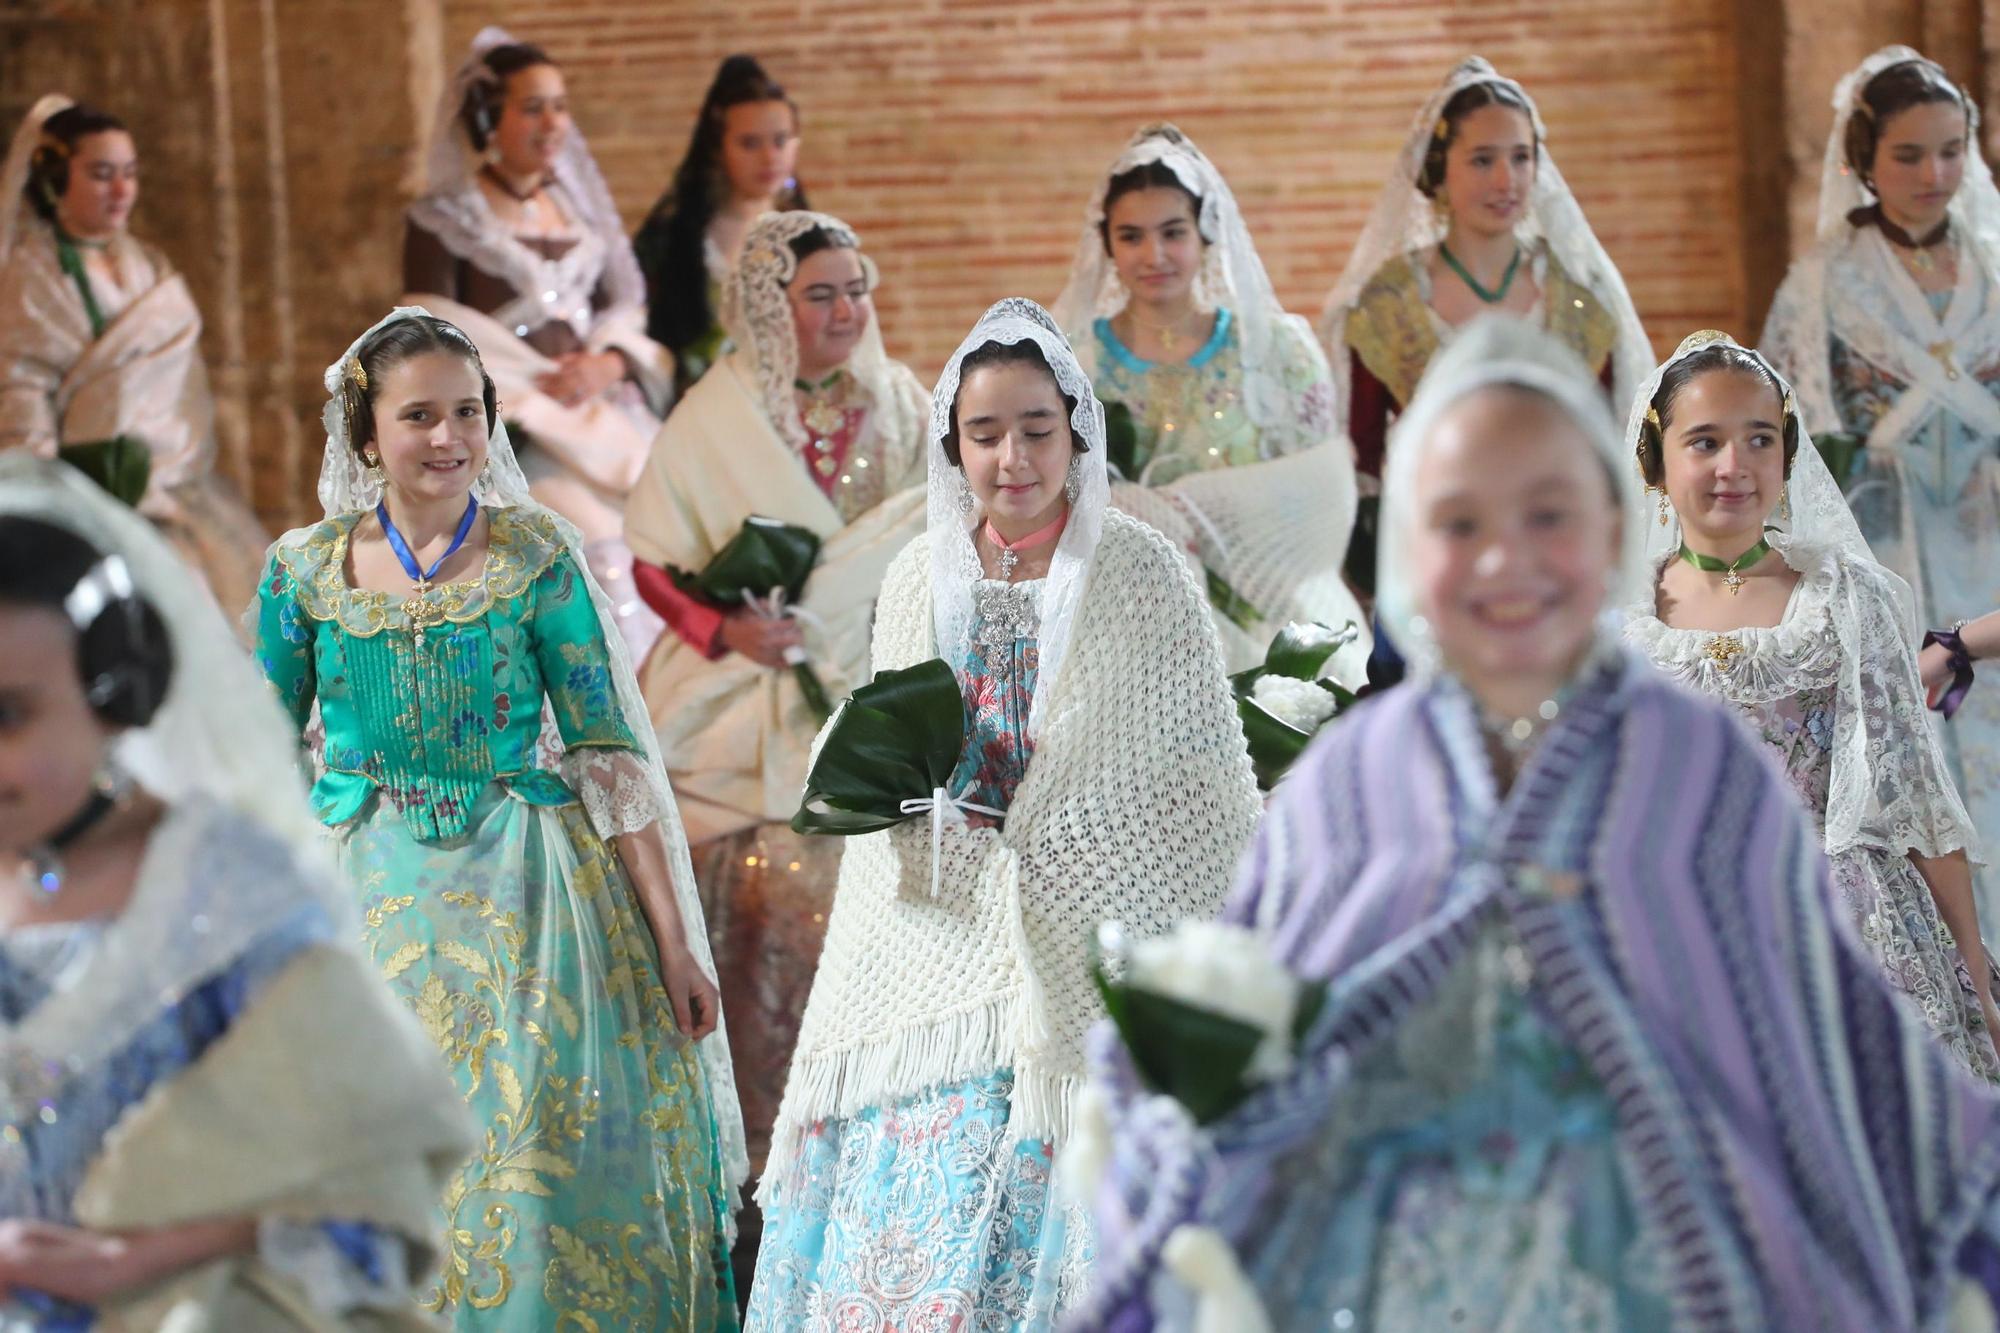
(212, 1113)
(542, 924)
(1764, 593)
(100, 339)
(912, 1179)
(1228, 403)
(806, 422)
(1475, 218)
(1890, 333)
(517, 242)
(1596, 1051)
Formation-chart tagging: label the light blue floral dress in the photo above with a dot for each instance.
(922, 1214)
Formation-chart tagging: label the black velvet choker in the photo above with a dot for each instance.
(1872, 216)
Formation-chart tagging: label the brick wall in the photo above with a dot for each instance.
(962, 137)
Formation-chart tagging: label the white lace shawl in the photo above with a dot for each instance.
(622, 792)
(454, 209)
(1404, 222)
(1137, 802)
(1890, 786)
(1853, 288)
(757, 312)
(1232, 277)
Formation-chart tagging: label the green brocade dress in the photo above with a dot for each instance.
(502, 917)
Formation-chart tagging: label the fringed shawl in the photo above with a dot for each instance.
(1809, 1158)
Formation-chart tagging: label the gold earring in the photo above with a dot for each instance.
(375, 473)
(1664, 506)
(1785, 506)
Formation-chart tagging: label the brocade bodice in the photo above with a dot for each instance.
(429, 698)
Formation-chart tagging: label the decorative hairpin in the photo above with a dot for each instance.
(356, 373)
(1653, 417)
(1791, 404)
(1443, 130)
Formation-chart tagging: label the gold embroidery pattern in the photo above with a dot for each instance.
(549, 1040)
(1390, 328)
(519, 548)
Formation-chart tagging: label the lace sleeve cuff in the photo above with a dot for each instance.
(614, 789)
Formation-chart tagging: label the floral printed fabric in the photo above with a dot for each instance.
(921, 1217)
(1885, 897)
(1191, 417)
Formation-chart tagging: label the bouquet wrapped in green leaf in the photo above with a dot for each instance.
(764, 567)
(1204, 1011)
(121, 465)
(888, 756)
(1284, 702)
(1841, 450)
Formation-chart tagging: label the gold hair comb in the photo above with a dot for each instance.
(356, 373)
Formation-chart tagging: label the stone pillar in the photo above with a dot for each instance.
(273, 141)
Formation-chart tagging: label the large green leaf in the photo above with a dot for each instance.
(1841, 451)
(1302, 647)
(121, 465)
(1195, 1055)
(763, 556)
(1274, 745)
(898, 738)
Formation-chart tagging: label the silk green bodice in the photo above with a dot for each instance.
(431, 697)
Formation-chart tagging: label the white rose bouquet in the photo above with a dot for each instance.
(1284, 702)
(1205, 1011)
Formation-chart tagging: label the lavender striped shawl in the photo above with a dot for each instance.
(1811, 1159)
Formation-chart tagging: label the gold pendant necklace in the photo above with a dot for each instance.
(1169, 335)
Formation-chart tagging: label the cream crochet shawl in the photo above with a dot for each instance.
(1137, 803)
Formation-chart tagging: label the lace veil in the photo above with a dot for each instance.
(15, 215)
(218, 741)
(622, 796)
(1492, 350)
(1404, 221)
(955, 567)
(454, 210)
(1231, 276)
(1890, 785)
(1880, 321)
(757, 312)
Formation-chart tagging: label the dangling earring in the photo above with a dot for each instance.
(375, 474)
(1785, 505)
(1073, 479)
(483, 483)
(966, 503)
(1664, 507)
